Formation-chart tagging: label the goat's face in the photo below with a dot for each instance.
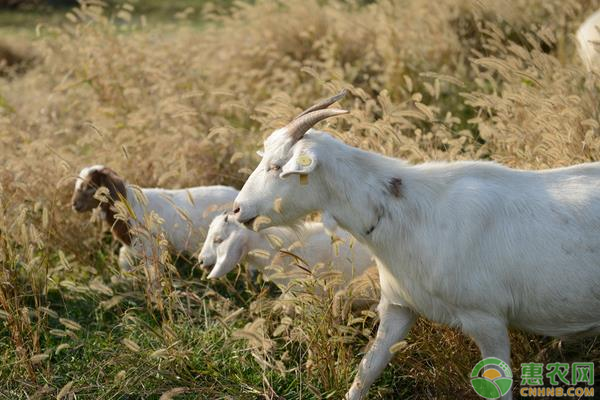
(286, 184)
(284, 187)
(224, 247)
(88, 181)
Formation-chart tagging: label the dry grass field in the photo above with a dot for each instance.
(186, 101)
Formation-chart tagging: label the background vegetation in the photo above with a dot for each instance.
(183, 97)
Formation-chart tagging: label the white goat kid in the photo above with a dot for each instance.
(588, 38)
(185, 213)
(473, 245)
(229, 243)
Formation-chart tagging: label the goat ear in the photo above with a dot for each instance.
(302, 163)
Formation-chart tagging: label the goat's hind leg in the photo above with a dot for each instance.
(395, 322)
(491, 336)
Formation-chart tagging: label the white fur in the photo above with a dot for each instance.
(228, 243)
(84, 174)
(185, 214)
(199, 204)
(473, 245)
(588, 38)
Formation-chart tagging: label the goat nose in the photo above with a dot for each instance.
(236, 208)
(201, 262)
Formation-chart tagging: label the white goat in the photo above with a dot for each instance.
(588, 38)
(228, 243)
(473, 245)
(185, 213)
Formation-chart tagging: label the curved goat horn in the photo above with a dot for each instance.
(298, 127)
(324, 103)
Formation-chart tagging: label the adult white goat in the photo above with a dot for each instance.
(228, 243)
(588, 38)
(186, 213)
(473, 245)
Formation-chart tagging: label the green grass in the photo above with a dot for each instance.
(201, 358)
(191, 347)
(199, 352)
(27, 20)
(23, 22)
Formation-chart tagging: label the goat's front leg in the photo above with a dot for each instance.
(491, 336)
(149, 253)
(395, 322)
(126, 258)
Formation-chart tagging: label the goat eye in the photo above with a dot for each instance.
(274, 167)
(217, 240)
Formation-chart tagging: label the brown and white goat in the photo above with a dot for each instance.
(181, 216)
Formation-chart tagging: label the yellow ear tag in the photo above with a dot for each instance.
(304, 160)
(303, 179)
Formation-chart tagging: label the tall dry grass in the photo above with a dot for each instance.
(175, 106)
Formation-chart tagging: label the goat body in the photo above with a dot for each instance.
(476, 236)
(229, 243)
(185, 213)
(182, 216)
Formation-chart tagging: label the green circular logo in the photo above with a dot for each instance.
(491, 378)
